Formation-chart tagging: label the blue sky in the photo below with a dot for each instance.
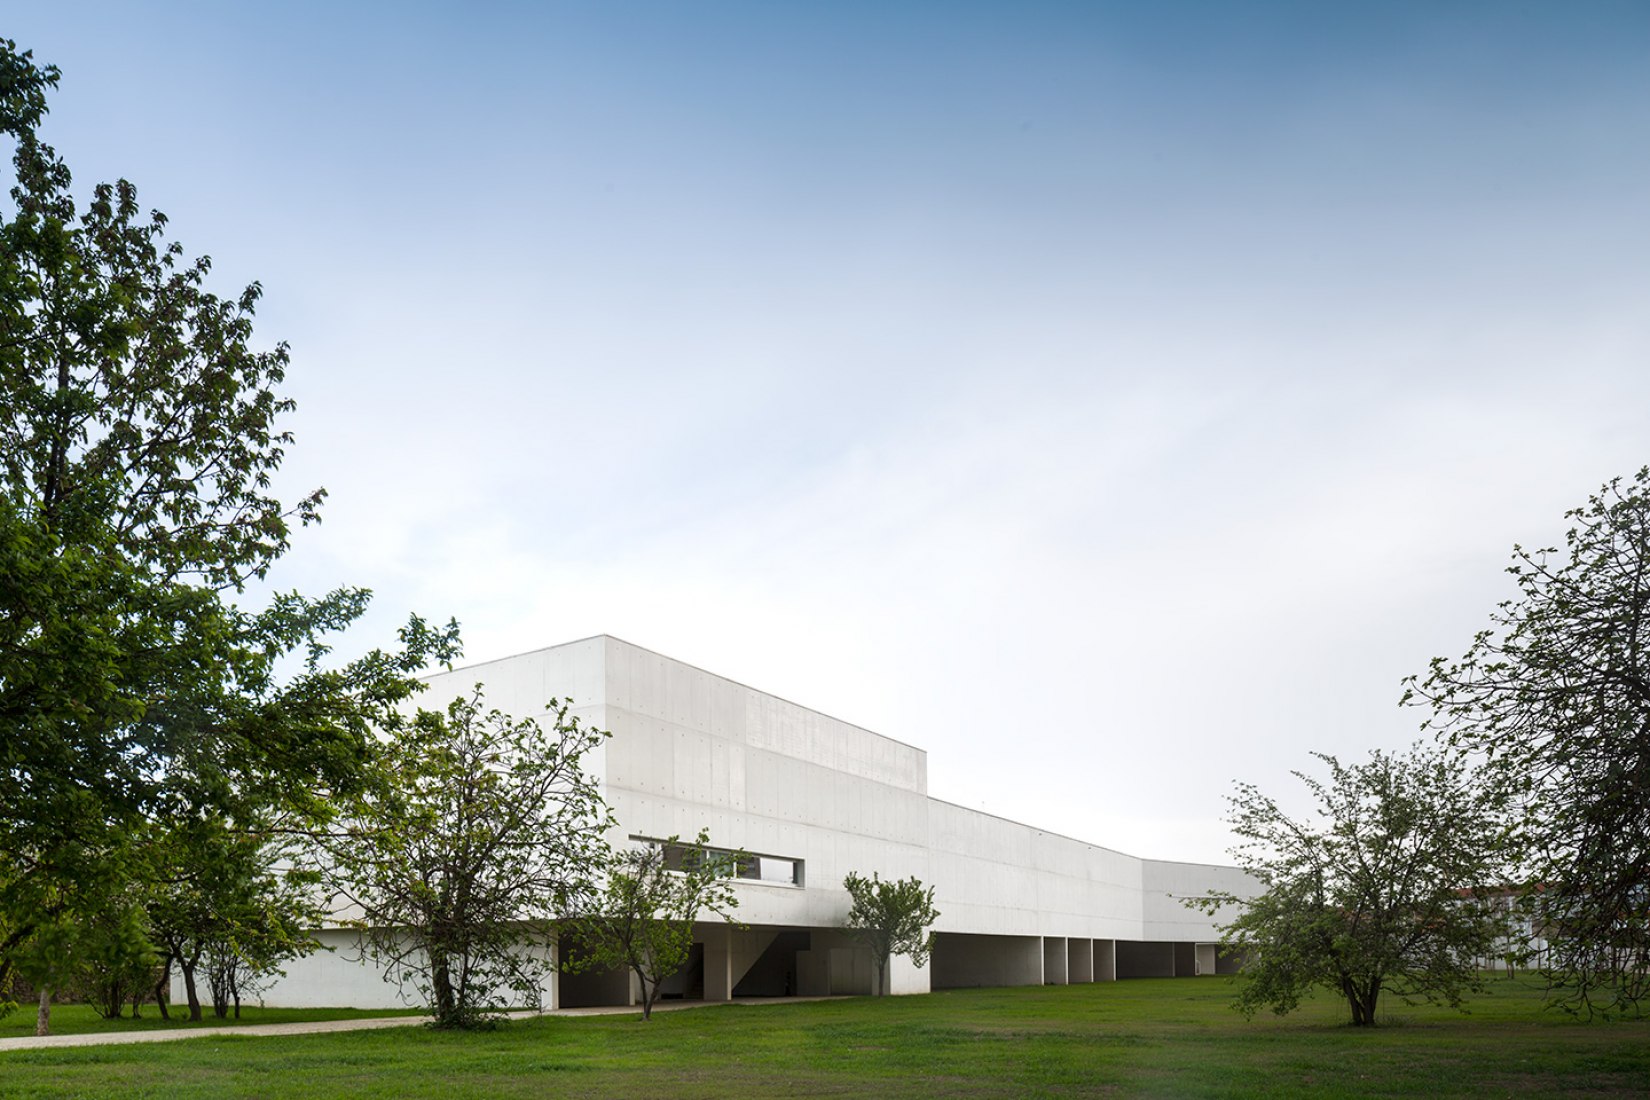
(1114, 400)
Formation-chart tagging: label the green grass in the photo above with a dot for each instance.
(1171, 1038)
(82, 1020)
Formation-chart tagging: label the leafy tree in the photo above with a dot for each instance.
(139, 433)
(1390, 889)
(644, 919)
(48, 958)
(891, 918)
(137, 439)
(230, 898)
(480, 832)
(86, 935)
(120, 959)
(1555, 694)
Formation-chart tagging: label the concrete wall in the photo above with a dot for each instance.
(1167, 888)
(692, 750)
(992, 875)
(335, 977)
(905, 977)
(339, 975)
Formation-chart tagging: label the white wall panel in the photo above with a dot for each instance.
(692, 750)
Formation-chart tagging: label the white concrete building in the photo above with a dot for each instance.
(815, 798)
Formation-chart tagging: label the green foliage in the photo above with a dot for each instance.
(1556, 696)
(232, 897)
(118, 958)
(1391, 889)
(139, 434)
(137, 440)
(85, 934)
(891, 918)
(477, 834)
(643, 921)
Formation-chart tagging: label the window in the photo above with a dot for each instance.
(779, 870)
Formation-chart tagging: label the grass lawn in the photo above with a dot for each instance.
(1172, 1038)
(82, 1020)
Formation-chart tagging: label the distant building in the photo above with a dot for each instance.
(814, 798)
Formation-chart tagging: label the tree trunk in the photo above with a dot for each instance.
(1362, 1001)
(163, 986)
(43, 1018)
(648, 994)
(441, 984)
(188, 967)
(235, 992)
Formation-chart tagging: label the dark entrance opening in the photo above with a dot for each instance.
(773, 974)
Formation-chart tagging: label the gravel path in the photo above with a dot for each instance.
(36, 1042)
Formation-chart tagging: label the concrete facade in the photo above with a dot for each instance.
(817, 798)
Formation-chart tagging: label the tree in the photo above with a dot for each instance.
(891, 918)
(232, 898)
(119, 957)
(139, 434)
(137, 440)
(643, 921)
(480, 832)
(1555, 695)
(1391, 889)
(49, 958)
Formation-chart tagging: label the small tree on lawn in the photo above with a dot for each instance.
(49, 960)
(1390, 890)
(120, 961)
(480, 833)
(891, 918)
(644, 920)
(91, 933)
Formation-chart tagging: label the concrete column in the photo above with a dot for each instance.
(550, 991)
(719, 963)
(1054, 960)
(904, 977)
